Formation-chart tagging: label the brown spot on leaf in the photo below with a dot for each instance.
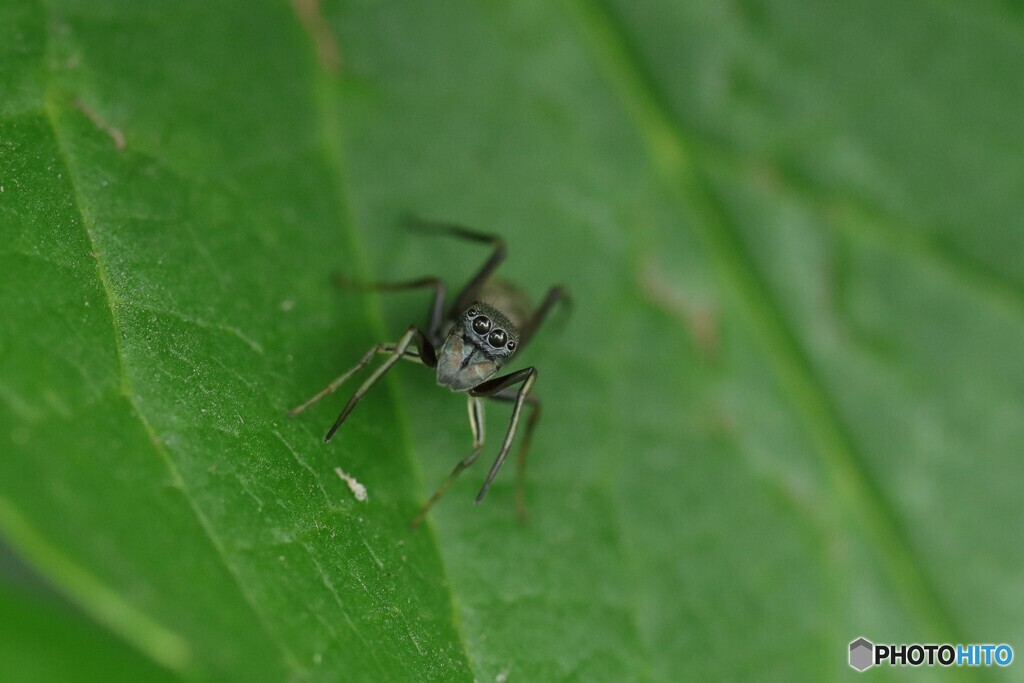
(311, 15)
(699, 319)
(115, 134)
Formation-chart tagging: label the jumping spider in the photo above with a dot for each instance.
(485, 326)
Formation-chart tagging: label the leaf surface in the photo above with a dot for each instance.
(782, 414)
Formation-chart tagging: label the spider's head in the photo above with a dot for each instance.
(479, 343)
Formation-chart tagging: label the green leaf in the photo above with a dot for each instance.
(783, 413)
(32, 627)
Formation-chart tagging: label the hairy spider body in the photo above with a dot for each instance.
(477, 346)
(486, 325)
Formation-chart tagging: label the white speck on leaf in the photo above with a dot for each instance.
(287, 305)
(502, 676)
(357, 489)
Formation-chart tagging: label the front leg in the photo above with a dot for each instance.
(508, 395)
(527, 377)
(425, 355)
(400, 349)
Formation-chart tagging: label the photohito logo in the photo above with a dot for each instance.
(864, 654)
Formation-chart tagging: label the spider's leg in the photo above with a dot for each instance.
(476, 423)
(527, 377)
(436, 314)
(471, 291)
(530, 327)
(409, 354)
(509, 395)
(400, 348)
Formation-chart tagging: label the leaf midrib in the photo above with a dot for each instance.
(50, 110)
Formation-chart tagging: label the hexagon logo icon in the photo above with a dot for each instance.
(861, 654)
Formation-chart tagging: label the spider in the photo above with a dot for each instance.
(486, 325)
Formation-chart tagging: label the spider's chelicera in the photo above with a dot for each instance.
(486, 324)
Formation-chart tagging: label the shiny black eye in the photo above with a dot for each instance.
(481, 324)
(472, 313)
(511, 346)
(497, 338)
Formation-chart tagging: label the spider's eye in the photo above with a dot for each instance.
(481, 324)
(496, 339)
(472, 313)
(511, 346)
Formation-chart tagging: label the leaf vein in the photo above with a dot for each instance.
(329, 118)
(676, 160)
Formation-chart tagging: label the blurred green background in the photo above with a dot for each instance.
(785, 412)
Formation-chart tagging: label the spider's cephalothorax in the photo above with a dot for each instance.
(467, 345)
(479, 343)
